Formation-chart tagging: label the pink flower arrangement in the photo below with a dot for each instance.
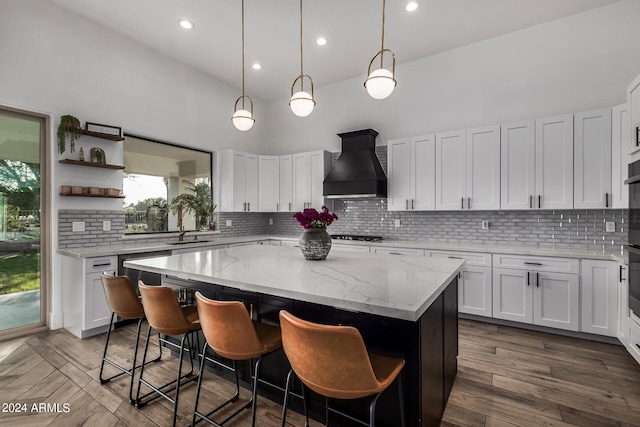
(311, 218)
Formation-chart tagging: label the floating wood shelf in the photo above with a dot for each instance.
(92, 195)
(91, 164)
(103, 135)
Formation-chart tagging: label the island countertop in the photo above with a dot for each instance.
(401, 287)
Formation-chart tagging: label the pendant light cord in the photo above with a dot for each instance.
(243, 54)
(382, 49)
(301, 69)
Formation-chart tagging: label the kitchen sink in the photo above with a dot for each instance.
(185, 242)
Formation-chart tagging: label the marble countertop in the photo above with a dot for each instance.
(398, 287)
(205, 241)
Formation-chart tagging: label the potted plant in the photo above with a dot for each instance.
(315, 242)
(198, 202)
(69, 126)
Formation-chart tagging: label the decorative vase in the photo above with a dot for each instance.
(315, 244)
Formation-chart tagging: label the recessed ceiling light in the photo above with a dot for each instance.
(186, 24)
(411, 6)
(256, 66)
(321, 41)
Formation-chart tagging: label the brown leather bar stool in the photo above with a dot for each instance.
(167, 317)
(230, 333)
(124, 303)
(334, 362)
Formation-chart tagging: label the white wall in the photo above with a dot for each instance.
(574, 64)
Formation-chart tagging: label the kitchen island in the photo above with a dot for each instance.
(403, 306)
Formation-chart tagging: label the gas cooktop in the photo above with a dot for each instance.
(354, 237)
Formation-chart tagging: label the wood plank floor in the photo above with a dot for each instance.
(506, 377)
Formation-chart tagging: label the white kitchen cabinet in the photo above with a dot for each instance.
(387, 250)
(268, 183)
(633, 100)
(411, 173)
(286, 183)
(538, 290)
(623, 304)
(537, 164)
(85, 309)
(468, 169)
(474, 282)
(238, 181)
(620, 141)
(309, 171)
(599, 297)
(592, 160)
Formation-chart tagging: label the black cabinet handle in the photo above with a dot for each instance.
(537, 280)
(461, 202)
(406, 204)
(530, 202)
(637, 136)
(532, 263)
(638, 346)
(539, 204)
(606, 200)
(395, 253)
(455, 257)
(620, 273)
(104, 264)
(528, 278)
(468, 202)
(412, 200)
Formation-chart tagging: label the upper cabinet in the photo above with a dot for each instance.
(268, 183)
(468, 169)
(238, 181)
(411, 173)
(309, 171)
(620, 140)
(286, 183)
(633, 100)
(592, 160)
(537, 164)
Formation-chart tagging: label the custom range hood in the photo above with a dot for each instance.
(357, 173)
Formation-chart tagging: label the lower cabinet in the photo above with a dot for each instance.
(474, 282)
(537, 290)
(349, 248)
(84, 305)
(623, 303)
(397, 251)
(599, 302)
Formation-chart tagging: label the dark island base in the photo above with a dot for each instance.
(429, 347)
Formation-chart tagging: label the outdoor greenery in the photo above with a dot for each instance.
(19, 273)
(199, 202)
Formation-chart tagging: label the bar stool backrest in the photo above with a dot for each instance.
(331, 360)
(163, 310)
(228, 328)
(121, 297)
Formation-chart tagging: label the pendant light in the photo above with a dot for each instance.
(301, 102)
(381, 82)
(242, 118)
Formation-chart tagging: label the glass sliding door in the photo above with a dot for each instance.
(22, 138)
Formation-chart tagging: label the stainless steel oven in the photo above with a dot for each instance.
(634, 237)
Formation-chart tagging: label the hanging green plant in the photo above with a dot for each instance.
(69, 126)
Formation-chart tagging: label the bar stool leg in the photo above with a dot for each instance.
(254, 395)
(372, 410)
(175, 402)
(286, 397)
(401, 400)
(144, 358)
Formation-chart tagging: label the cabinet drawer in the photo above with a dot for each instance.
(633, 346)
(349, 248)
(551, 264)
(471, 258)
(97, 265)
(397, 251)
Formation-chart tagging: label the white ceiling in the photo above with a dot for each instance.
(352, 28)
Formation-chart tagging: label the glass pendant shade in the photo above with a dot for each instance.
(302, 103)
(380, 83)
(243, 120)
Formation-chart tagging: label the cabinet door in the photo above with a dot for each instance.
(317, 171)
(450, 171)
(554, 163)
(620, 140)
(623, 303)
(286, 184)
(483, 168)
(599, 303)
(633, 100)
(252, 183)
(399, 180)
(423, 166)
(556, 300)
(300, 181)
(239, 202)
(96, 311)
(592, 160)
(268, 183)
(475, 291)
(517, 165)
(512, 295)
